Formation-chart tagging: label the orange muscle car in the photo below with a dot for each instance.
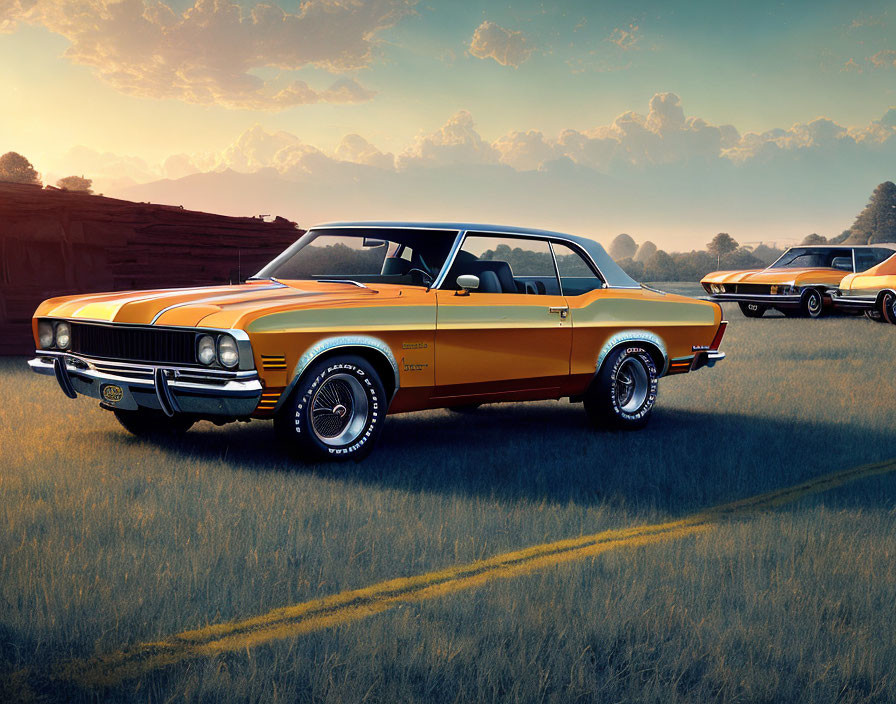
(872, 291)
(359, 320)
(799, 282)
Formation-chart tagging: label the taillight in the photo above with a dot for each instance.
(720, 333)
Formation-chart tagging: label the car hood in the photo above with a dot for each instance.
(207, 306)
(796, 277)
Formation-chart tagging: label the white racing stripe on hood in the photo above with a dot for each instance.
(215, 298)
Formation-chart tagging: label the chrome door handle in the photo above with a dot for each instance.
(562, 310)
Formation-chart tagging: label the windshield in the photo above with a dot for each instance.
(815, 258)
(364, 255)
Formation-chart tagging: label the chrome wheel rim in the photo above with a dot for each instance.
(339, 410)
(632, 385)
(813, 303)
(889, 308)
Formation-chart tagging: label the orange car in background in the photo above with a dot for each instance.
(873, 291)
(799, 283)
(359, 320)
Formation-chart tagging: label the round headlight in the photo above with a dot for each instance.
(205, 349)
(63, 336)
(45, 334)
(228, 353)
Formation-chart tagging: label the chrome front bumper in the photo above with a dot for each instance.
(769, 299)
(171, 389)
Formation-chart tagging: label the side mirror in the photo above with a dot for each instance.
(468, 282)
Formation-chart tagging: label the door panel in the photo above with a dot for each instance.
(500, 342)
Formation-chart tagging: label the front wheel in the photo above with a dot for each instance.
(752, 310)
(335, 412)
(888, 307)
(875, 315)
(623, 393)
(812, 304)
(146, 422)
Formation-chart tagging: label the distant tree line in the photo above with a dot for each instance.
(646, 262)
(15, 168)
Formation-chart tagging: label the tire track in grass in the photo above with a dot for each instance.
(352, 605)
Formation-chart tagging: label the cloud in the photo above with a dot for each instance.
(354, 148)
(660, 174)
(883, 59)
(208, 53)
(625, 39)
(525, 151)
(851, 67)
(506, 46)
(456, 142)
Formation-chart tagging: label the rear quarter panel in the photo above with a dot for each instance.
(679, 322)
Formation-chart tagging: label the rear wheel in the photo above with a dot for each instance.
(888, 307)
(146, 422)
(812, 303)
(752, 310)
(335, 412)
(623, 393)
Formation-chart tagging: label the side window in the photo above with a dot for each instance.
(867, 258)
(576, 275)
(506, 265)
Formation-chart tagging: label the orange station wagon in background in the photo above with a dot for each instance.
(799, 283)
(872, 291)
(359, 320)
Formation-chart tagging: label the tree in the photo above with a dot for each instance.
(623, 247)
(645, 252)
(814, 239)
(877, 222)
(721, 244)
(14, 168)
(660, 267)
(765, 254)
(79, 184)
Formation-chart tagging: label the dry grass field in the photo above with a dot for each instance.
(107, 541)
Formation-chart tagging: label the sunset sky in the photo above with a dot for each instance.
(713, 98)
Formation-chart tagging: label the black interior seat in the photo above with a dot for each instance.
(488, 282)
(395, 266)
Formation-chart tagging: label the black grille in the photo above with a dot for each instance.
(749, 288)
(134, 344)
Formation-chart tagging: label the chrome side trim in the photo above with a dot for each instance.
(633, 336)
(333, 343)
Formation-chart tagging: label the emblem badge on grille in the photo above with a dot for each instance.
(112, 393)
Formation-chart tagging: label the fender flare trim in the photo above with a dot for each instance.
(633, 336)
(329, 344)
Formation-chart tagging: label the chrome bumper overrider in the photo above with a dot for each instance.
(706, 358)
(169, 388)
